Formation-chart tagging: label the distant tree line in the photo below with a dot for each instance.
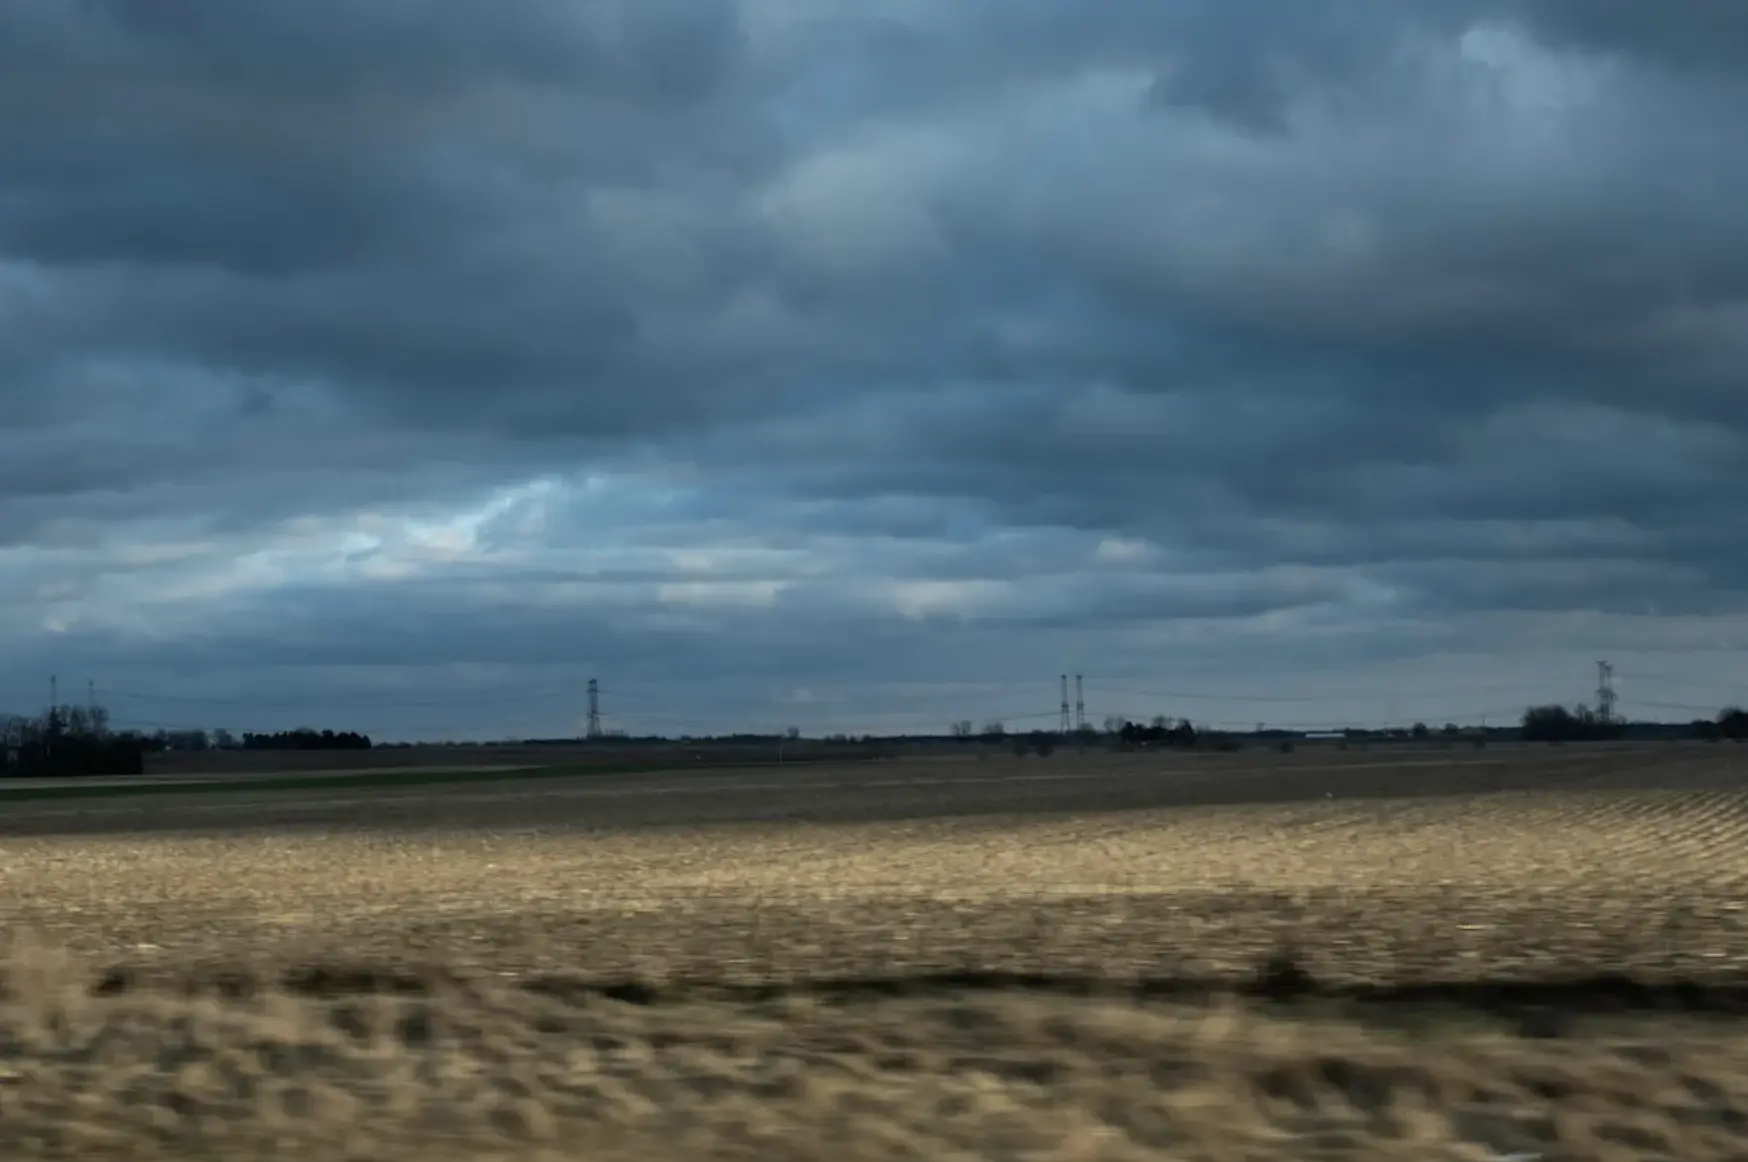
(65, 741)
(1554, 723)
(1160, 732)
(1548, 723)
(1731, 723)
(303, 738)
(70, 741)
(306, 739)
(1118, 731)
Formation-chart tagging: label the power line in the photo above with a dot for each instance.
(352, 699)
(1688, 706)
(525, 694)
(519, 702)
(1290, 699)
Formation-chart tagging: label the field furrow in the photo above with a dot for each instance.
(949, 960)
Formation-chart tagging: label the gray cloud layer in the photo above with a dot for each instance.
(784, 362)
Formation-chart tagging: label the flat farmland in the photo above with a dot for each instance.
(1054, 958)
(491, 755)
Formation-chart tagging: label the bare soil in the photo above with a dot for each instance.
(1458, 954)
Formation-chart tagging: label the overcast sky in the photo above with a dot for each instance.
(867, 364)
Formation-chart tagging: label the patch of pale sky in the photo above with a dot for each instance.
(503, 529)
(720, 594)
(1708, 341)
(1527, 85)
(1122, 551)
(865, 206)
(920, 600)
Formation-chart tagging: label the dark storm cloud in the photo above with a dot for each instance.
(843, 343)
(421, 203)
(1712, 37)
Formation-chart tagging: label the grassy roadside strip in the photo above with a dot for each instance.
(383, 780)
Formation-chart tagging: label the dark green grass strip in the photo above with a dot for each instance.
(386, 780)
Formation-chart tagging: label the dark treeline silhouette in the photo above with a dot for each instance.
(1548, 723)
(68, 741)
(1553, 723)
(306, 739)
(1731, 723)
(1125, 735)
(77, 740)
(1159, 732)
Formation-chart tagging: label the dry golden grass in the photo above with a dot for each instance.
(476, 1069)
(233, 993)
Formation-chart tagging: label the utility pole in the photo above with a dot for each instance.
(594, 728)
(1079, 704)
(1063, 723)
(1605, 697)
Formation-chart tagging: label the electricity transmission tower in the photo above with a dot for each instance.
(1605, 696)
(594, 727)
(1079, 704)
(1063, 723)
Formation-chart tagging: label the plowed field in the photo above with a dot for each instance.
(1064, 958)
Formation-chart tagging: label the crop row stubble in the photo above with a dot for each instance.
(498, 1043)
